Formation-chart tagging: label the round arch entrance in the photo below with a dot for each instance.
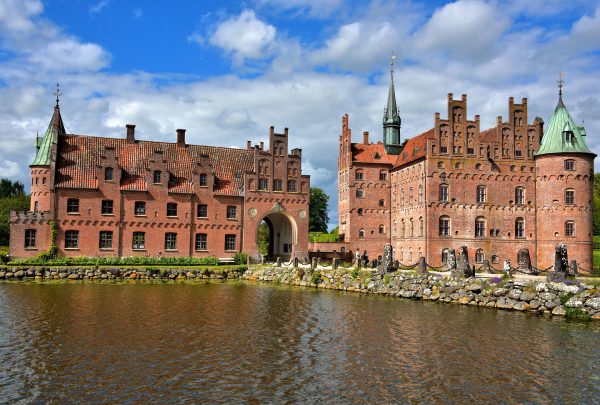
(276, 236)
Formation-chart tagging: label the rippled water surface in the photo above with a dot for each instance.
(250, 343)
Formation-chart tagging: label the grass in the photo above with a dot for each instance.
(596, 259)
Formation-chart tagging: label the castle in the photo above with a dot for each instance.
(516, 185)
(100, 196)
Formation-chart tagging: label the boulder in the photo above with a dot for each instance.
(559, 310)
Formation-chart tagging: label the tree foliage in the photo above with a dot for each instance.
(8, 204)
(10, 189)
(596, 201)
(318, 217)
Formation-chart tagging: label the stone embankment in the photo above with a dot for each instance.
(572, 297)
(132, 273)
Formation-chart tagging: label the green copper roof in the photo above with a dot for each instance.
(391, 115)
(44, 145)
(562, 135)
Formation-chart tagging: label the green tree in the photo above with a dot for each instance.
(596, 201)
(318, 217)
(8, 204)
(263, 238)
(10, 189)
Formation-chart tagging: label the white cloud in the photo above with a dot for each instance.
(99, 6)
(244, 36)
(312, 8)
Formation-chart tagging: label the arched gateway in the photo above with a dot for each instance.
(279, 235)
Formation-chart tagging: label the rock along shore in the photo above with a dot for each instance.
(564, 298)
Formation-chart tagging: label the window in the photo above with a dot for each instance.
(519, 196)
(569, 165)
(231, 212)
(444, 226)
(519, 228)
(71, 239)
(156, 177)
(139, 208)
(381, 229)
(443, 192)
(478, 166)
(106, 240)
(170, 241)
(420, 194)
(263, 184)
(518, 153)
(480, 227)
(72, 206)
(291, 186)
(470, 151)
(202, 211)
(443, 149)
(402, 198)
(203, 180)
(358, 175)
(410, 196)
(481, 194)
(108, 174)
(569, 196)
(107, 207)
(360, 193)
(229, 242)
(444, 255)
(171, 209)
(361, 233)
(568, 136)
(36, 206)
(277, 185)
(139, 241)
(403, 229)
(382, 175)
(412, 228)
(479, 256)
(421, 226)
(30, 238)
(494, 259)
(359, 211)
(569, 228)
(381, 203)
(201, 241)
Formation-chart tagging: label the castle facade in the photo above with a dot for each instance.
(516, 185)
(100, 196)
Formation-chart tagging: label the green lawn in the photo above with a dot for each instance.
(596, 258)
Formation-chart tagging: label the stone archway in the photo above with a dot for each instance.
(282, 235)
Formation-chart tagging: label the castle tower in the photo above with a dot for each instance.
(43, 166)
(564, 174)
(391, 120)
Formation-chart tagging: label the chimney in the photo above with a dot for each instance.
(285, 131)
(366, 137)
(262, 145)
(130, 133)
(181, 137)
(271, 130)
(249, 145)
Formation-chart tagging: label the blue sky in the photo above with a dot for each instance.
(227, 70)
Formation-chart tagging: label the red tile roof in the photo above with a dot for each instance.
(489, 135)
(371, 153)
(414, 148)
(79, 156)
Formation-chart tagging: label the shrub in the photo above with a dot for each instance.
(354, 272)
(566, 297)
(47, 259)
(316, 277)
(577, 314)
(240, 258)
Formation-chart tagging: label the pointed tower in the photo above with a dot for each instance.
(391, 120)
(564, 174)
(42, 167)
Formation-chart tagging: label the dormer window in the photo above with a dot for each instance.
(377, 155)
(108, 174)
(568, 135)
(156, 177)
(203, 180)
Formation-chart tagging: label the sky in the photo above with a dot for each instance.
(227, 70)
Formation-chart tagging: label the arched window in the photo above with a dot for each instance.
(519, 196)
(403, 229)
(481, 194)
(480, 227)
(444, 226)
(443, 192)
(410, 196)
(444, 255)
(410, 257)
(494, 259)
(358, 174)
(360, 193)
(412, 228)
(479, 256)
(382, 175)
(519, 228)
(359, 211)
(569, 164)
(402, 198)
(569, 196)
(421, 226)
(420, 194)
(361, 233)
(394, 229)
(381, 203)
(381, 229)
(569, 228)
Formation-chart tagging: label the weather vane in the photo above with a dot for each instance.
(561, 82)
(57, 93)
(392, 62)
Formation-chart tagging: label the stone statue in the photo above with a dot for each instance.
(462, 267)
(422, 269)
(561, 264)
(387, 262)
(507, 268)
(451, 260)
(524, 261)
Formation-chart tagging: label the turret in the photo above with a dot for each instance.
(391, 120)
(564, 170)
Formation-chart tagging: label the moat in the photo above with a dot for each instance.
(250, 342)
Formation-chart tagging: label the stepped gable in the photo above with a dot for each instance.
(80, 155)
(415, 148)
(371, 153)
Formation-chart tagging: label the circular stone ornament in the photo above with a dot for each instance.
(302, 214)
(252, 212)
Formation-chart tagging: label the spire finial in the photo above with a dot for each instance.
(560, 82)
(57, 93)
(393, 58)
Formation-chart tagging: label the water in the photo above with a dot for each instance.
(251, 343)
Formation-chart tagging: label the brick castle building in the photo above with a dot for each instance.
(516, 185)
(129, 197)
